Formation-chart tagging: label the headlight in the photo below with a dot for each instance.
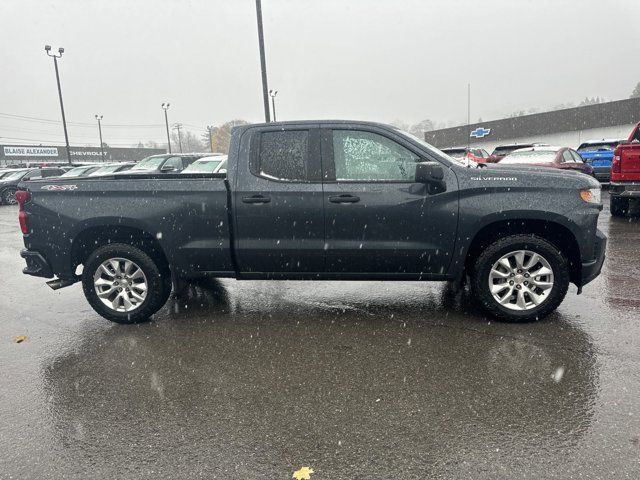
(591, 195)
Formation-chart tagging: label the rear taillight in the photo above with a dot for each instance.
(616, 163)
(22, 197)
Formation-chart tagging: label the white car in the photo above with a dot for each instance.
(212, 164)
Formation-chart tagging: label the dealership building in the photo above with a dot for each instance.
(567, 128)
(38, 154)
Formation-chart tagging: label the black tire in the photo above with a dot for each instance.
(157, 276)
(9, 196)
(618, 206)
(484, 263)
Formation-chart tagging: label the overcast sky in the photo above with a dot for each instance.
(377, 60)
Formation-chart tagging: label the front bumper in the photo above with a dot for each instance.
(37, 265)
(592, 269)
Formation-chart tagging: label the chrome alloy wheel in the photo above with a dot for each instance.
(521, 280)
(120, 284)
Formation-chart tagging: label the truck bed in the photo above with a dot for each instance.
(187, 214)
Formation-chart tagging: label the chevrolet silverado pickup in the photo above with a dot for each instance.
(319, 200)
(625, 174)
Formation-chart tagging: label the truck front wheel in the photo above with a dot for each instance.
(618, 206)
(124, 284)
(520, 278)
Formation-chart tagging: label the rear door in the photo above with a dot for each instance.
(377, 219)
(278, 202)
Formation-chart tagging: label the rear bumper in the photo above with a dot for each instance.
(592, 269)
(37, 265)
(602, 174)
(626, 189)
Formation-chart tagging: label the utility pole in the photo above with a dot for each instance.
(272, 94)
(468, 113)
(210, 130)
(177, 127)
(165, 107)
(99, 119)
(263, 62)
(47, 48)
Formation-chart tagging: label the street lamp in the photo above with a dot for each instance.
(99, 119)
(47, 48)
(165, 107)
(272, 94)
(263, 61)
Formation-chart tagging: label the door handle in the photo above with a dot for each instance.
(256, 199)
(346, 198)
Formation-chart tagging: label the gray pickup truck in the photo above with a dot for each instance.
(319, 200)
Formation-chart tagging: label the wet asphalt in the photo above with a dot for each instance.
(244, 380)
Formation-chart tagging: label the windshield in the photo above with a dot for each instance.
(15, 175)
(535, 156)
(438, 153)
(76, 172)
(455, 152)
(206, 166)
(598, 147)
(149, 163)
(506, 149)
(105, 170)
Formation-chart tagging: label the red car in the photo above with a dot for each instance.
(478, 155)
(564, 158)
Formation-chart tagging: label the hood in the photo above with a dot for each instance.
(542, 174)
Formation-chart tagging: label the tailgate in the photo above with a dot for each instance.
(630, 159)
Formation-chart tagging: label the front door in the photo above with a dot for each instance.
(278, 203)
(378, 220)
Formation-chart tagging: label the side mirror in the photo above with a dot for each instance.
(168, 168)
(432, 175)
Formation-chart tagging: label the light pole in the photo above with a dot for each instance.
(47, 48)
(99, 119)
(272, 94)
(165, 107)
(263, 62)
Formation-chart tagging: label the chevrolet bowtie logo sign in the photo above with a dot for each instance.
(480, 132)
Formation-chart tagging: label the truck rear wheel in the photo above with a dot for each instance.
(618, 206)
(520, 278)
(124, 284)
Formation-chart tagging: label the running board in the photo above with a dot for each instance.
(58, 283)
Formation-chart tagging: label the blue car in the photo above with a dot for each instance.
(598, 154)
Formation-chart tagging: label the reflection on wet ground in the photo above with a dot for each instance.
(357, 380)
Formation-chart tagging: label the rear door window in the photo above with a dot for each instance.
(283, 155)
(566, 157)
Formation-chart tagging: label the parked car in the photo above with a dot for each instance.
(598, 154)
(9, 184)
(212, 164)
(319, 200)
(112, 168)
(81, 171)
(625, 174)
(564, 158)
(502, 150)
(478, 155)
(165, 163)
(6, 172)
